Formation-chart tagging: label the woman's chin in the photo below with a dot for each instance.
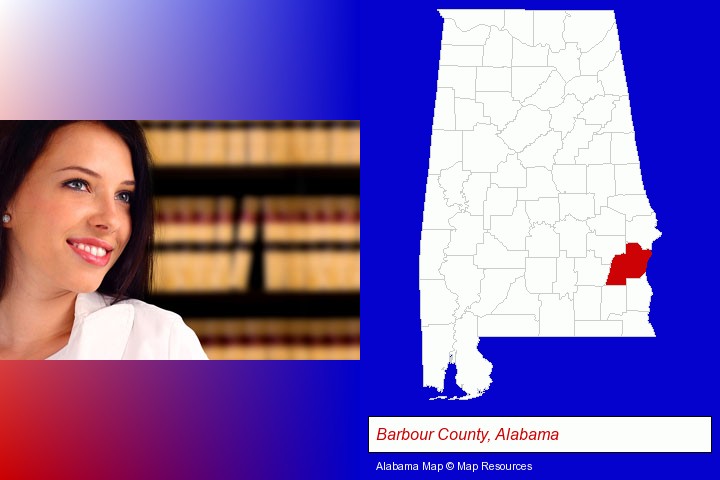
(87, 286)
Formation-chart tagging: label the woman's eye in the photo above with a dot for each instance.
(80, 185)
(125, 197)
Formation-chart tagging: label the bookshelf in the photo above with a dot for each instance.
(262, 304)
(279, 194)
(254, 180)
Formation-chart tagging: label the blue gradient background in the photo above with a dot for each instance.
(672, 95)
(338, 60)
(164, 59)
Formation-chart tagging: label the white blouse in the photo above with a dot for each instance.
(128, 330)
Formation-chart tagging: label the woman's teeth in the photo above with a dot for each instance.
(96, 251)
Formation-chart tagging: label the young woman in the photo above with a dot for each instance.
(75, 246)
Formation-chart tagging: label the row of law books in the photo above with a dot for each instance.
(279, 339)
(187, 270)
(253, 143)
(207, 244)
(282, 219)
(197, 271)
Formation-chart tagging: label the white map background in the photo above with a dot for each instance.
(534, 186)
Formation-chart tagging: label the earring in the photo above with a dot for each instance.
(6, 218)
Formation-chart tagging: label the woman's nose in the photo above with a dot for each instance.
(106, 214)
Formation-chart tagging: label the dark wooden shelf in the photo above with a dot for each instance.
(250, 180)
(274, 246)
(258, 304)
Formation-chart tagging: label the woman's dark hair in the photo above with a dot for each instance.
(21, 142)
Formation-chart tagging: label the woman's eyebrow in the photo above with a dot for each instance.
(92, 173)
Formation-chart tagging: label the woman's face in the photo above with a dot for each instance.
(71, 215)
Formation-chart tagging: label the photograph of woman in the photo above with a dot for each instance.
(75, 246)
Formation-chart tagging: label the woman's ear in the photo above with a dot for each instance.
(7, 217)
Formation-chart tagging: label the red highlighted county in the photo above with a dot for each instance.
(631, 264)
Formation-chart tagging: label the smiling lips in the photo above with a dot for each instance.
(93, 251)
